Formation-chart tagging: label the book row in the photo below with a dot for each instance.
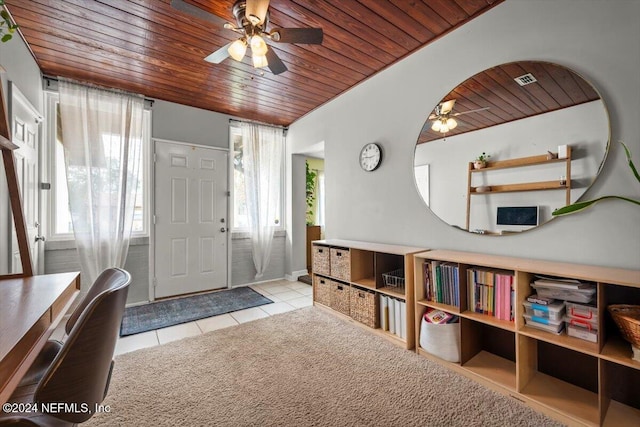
(393, 316)
(490, 292)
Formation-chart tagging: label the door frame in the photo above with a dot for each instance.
(152, 211)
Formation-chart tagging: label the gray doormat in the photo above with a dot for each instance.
(156, 315)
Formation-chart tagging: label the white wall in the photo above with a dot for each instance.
(597, 39)
(181, 123)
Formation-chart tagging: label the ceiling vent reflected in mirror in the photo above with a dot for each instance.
(525, 79)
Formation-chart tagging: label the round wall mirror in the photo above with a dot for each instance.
(543, 132)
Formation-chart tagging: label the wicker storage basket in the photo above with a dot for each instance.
(341, 264)
(364, 307)
(627, 317)
(322, 290)
(321, 260)
(340, 296)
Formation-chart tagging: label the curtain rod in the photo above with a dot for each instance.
(285, 128)
(55, 79)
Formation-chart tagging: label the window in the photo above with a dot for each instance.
(240, 218)
(60, 225)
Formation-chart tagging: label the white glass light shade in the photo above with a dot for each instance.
(260, 61)
(237, 49)
(258, 46)
(451, 123)
(436, 125)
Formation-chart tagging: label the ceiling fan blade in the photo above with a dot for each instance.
(432, 117)
(298, 35)
(219, 55)
(256, 11)
(195, 11)
(275, 63)
(446, 107)
(470, 111)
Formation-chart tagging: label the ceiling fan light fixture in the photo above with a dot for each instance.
(260, 61)
(451, 123)
(436, 126)
(256, 11)
(237, 49)
(258, 46)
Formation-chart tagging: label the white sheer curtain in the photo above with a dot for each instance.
(102, 139)
(263, 150)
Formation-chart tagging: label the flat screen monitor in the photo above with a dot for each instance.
(518, 215)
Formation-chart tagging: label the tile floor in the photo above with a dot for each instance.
(286, 296)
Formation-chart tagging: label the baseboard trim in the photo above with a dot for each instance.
(293, 277)
(256, 283)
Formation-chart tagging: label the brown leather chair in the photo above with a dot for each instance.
(78, 378)
(51, 348)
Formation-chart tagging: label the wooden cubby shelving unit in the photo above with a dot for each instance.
(368, 262)
(523, 186)
(574, 381)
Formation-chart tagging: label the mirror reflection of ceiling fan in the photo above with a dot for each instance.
(443, 118)
(252, 23)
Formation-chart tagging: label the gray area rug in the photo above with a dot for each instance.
(156, 315)
(301, 368)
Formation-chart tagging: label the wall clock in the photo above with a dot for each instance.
(370, 157)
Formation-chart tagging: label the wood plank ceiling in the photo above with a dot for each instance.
(147, 47)
(556, 87)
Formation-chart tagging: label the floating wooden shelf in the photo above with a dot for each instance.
(519, 162)
(526, 186)
(523, 186)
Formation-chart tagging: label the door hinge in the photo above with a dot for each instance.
(155, 282)
(228, 193)
(154, 220)
(155, 157)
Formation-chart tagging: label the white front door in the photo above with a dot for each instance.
(26, 121)
(190, 218)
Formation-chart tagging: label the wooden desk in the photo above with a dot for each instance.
(30, 310)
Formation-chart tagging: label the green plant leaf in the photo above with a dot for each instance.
(6, 38)
(631, 165)
(580, 206)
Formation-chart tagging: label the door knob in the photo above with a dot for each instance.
(40, 239)
(222, 229)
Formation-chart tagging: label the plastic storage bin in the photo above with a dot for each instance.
(576, 295)
(441, 340)
(581, 311)
(586, 329)
(553, 326)
(553, 311)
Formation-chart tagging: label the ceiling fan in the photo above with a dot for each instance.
(442, 116)
(252, 23)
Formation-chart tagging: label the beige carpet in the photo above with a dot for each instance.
(302, 368)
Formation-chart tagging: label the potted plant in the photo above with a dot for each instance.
(311, 193)
(481, 161)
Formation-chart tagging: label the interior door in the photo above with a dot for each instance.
(26, 121)
(191, 197)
